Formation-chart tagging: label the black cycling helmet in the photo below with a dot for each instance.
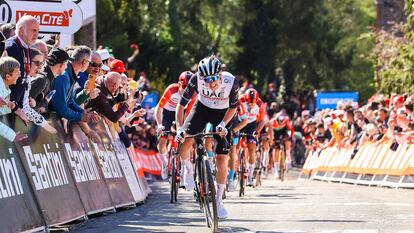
(209, 66)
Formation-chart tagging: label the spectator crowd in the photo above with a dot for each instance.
(80, 85)
(382, 120)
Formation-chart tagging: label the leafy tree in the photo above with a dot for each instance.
(315, 42)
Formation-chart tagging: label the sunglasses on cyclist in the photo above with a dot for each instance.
(96, 65)
(210, 79)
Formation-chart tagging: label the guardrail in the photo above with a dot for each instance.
(51, 179)
(374, 164)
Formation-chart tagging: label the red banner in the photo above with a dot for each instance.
(149, 161)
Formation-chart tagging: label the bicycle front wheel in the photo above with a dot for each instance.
(210, 205)
(174, 185)
(282, 162)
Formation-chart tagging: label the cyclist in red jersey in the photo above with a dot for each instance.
(252, 108)
(165, 114)
(281, 126)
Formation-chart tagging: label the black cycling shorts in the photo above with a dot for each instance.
(250, 129)
(281, 134)
(199, 116)
(168, 117)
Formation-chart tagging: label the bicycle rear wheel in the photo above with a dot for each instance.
(210, 205)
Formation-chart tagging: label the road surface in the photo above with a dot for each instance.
(292, 206)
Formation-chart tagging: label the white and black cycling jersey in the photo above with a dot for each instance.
(223, 98)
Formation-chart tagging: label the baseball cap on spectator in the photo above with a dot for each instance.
(354, 105)
(57, 56)
(328, 120)
(117, 66)
(104, 53)
(409, 100)
(398, 99)
(339, 112)
(305, 113)
(371, 129)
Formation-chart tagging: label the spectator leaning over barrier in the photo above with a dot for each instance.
(9, 72)
(95, 67)
(27, 30)
(334, 128)
(125, 93)
(383, 116)
(109, 86)
(36, 58)
(63, 102)
(42, 85)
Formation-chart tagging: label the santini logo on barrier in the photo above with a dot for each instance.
(10, 184)
(46, 168)
(82, 163)
(54, 17)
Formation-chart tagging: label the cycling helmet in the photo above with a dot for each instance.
(252, 96)
(209, 66)
(282, 118)
(184, 78)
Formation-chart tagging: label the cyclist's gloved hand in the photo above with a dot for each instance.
(221, 129)
(180, 134)
(160, 129)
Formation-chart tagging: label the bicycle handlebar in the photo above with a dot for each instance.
(248, 134)
(202, 134)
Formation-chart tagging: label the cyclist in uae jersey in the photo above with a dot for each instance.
(216, 103)
(253, 109)
(165, 114)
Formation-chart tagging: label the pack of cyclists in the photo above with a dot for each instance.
(239, 119)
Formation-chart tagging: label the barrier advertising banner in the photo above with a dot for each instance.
(86, 171)
(18, 205)
(329, 100)
(114, 177)
(63, 17)
(130, 175)
(44, 161)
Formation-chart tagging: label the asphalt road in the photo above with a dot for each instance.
(291, 206)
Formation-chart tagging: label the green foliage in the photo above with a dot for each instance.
(395, 56)
(317, 43)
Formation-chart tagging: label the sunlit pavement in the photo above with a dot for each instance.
(292, 206)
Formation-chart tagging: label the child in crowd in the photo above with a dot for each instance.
(9, 72)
